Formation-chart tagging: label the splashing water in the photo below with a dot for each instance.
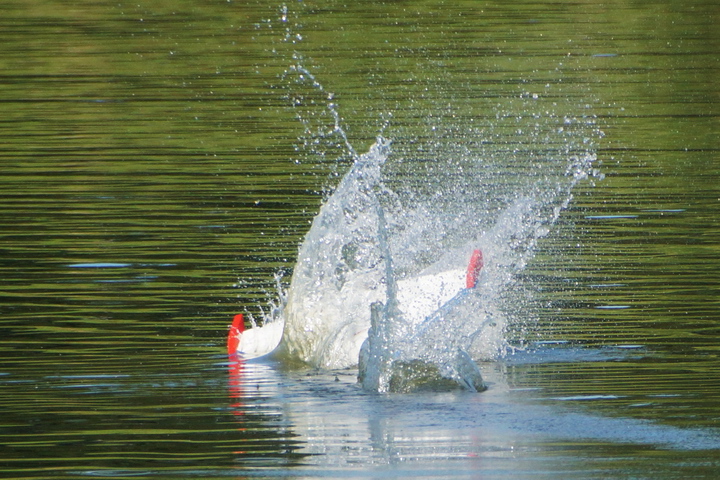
(349, 303)
(380, 276)
(339, 271)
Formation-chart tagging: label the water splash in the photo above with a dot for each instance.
(339, 273)
(379, 276)
(350, 303)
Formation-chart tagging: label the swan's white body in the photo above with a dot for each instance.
(421, 296)
(344, 283)
(326, 341)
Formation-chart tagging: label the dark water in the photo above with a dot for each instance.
(154, 178)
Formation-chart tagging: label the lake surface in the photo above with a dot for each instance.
(160, 163)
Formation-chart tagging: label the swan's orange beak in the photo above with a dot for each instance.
(237, 327)
(473, 270)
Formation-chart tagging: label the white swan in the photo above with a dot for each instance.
(421, 301)
(343, 295)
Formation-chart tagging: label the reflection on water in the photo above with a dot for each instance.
(267, 422)
(151, 188)
(337, 419)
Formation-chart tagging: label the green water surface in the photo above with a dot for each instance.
(160, 162)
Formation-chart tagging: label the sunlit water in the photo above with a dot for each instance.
(153, 184)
